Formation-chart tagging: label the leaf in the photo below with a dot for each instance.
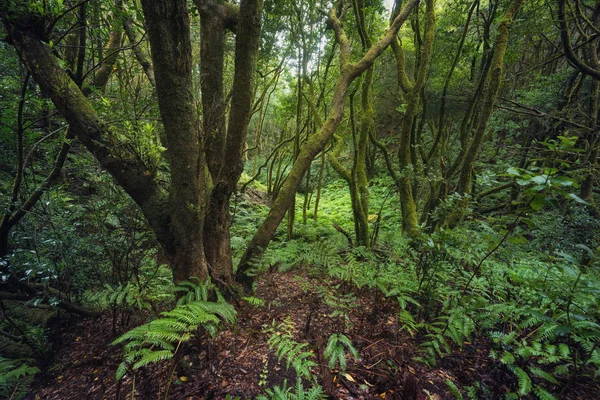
(538, 202)
(540, 179)
(563, 181)
(540, 373)
(589, 251)
(349, 377)
(518, 239)
(523, 379)
(578, 199)
(513, 171)
(507, 358)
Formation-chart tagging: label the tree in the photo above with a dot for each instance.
(588, 23)
(201, 178)
(349, 71)
(413, 93)
(493, 87)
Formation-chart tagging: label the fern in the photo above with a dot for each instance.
(195, 291)
(454, 390)
(540, 373)
(524, 381)
(296, 354)
(335, 351)
(293, 393)
(457, 327)
(254, 301)
(15, 377)
(543, 394)
(158, 340)
(407, 322)
(126, 296)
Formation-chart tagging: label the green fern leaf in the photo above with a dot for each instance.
(540, 373)
(454, 390)
(524, 381)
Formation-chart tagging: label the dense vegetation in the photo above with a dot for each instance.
(299, 199)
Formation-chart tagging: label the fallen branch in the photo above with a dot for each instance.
(344, 232)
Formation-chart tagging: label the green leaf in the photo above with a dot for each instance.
(538, 202)
(563, 181)
(578, 199)
(523, 379)
(513, 171)
(540, 179)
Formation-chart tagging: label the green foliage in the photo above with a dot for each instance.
(336, 349)
(15, 377)
(160, 339)
(454, 390)
(452, 329)
(123, 297)
(543, 185)
(293, 392)
(254, 301)
(296, 354)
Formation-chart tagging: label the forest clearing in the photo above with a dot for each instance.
(258, 199)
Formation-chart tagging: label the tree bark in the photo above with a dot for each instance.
(169, 34)
(410, 221)
(495, 80)
(225, 148)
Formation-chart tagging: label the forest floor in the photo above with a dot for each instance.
(239, 362)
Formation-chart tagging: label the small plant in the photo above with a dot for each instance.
(296, 354)
(160, 339)
(264, 374)
(293, 393)
(456, 327)
(454, 390)
(15, 377)
(254, 301)
(336, 349)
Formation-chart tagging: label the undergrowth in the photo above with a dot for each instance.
(537, 312)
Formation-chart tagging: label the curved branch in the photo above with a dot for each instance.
(568, 48)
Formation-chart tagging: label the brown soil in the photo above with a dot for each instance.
(238, 362)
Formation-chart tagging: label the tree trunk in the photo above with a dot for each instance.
(410, 221)
(495, 80)
(224, 146)
(168, 31)
(177, 219)
(316, 143)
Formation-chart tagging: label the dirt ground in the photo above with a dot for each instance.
(239, 362)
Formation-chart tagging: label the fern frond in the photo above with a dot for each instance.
(164, 333)
(150, 357)
(454, 390)
(543, 394)
(523, 380)
(540, 373)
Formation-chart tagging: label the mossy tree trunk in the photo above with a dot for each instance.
(589, 65)
(410, 221)
(356, 177)
(495, 80)
(224, 142)
(201, 178)
(360, 179)
(316, 143)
